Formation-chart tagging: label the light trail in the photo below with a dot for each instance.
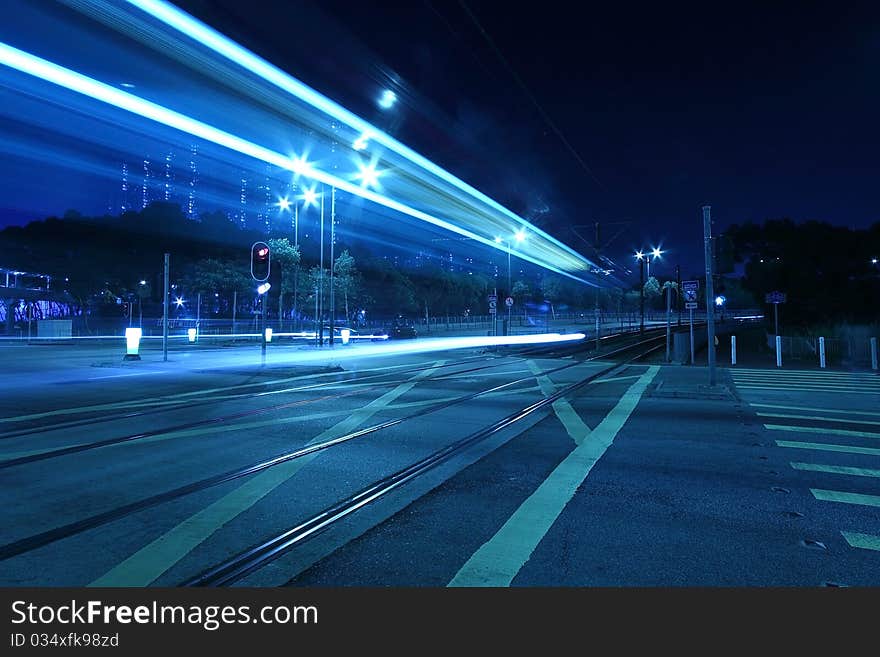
(210, 38)
(79, 83)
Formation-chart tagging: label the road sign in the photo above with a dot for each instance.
(690, 305)
(492, 308)
(492, 298)
(689, 290)
(508, 302)
(775, 297)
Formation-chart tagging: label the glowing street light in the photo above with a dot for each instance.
(387, 99)
(284, 204)
(368, 175)
(179, 301)
(310, 197)
(520, 235)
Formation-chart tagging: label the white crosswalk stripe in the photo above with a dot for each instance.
(807, 380)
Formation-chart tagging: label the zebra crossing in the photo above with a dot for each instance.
(849, 383)
(829, 425)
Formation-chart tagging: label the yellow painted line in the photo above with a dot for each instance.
(864, 541)
(500, 558)
(836, 469)
(835, 432)
(819, 418)
(829, 447)
(148, 563)
(814, 409)
(846, 498)
(574, 425)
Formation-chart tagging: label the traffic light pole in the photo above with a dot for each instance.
(263, 327)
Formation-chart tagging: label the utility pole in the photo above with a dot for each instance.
(320, 313)
(678, 296)
(642, 296)
(596, 311)
(710, 314)
(165, 311)
(332, 263)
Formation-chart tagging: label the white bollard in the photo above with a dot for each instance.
(733, 350)
(778, 351)
(268, 334)
(132, 343)
(821, 352)
(191, 334)
(873, 353)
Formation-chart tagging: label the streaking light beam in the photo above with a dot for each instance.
(63, 77)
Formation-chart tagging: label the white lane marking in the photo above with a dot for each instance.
(500, 558)
(819, 418)
(836, 432)
(814, 409)
(149, 562)
(574, 425)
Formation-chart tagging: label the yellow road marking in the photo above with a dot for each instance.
(836, 432)
(836, 469)
(148, 563)
(847, 498)
(828, 447)
(864, 541)
(500, 558)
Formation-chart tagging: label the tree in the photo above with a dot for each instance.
(346, 279)
(652, 290)
(211, 275)
(284, 269)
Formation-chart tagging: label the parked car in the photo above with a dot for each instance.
(402, 328)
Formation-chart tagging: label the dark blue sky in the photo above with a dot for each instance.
(762, 110)
(627, 115)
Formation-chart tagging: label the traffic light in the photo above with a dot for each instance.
(126, 308)
(260, 261)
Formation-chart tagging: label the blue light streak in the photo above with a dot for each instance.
(210, 38)
(100, 91)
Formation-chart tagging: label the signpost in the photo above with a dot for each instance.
(775, 298)
(493, 310)
(690, 289)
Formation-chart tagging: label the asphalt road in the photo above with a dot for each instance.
(643, 477)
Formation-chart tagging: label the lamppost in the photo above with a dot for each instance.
(641, 258)
(519, 237)
(309, 197)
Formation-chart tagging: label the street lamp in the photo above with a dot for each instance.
(641, 258)
(655, 253)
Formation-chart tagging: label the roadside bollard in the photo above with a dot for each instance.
(778, 351)
(874, 353)
(822, 352)
(191, 334)
(132, 343)
(733, 350)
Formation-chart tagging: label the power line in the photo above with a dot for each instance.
(530, 96)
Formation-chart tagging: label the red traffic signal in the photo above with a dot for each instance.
(260, 257)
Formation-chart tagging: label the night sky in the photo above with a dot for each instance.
(622, 114)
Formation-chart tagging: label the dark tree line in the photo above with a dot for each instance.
(826, 271)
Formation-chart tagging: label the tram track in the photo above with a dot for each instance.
(252, 559)
(35, 541)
